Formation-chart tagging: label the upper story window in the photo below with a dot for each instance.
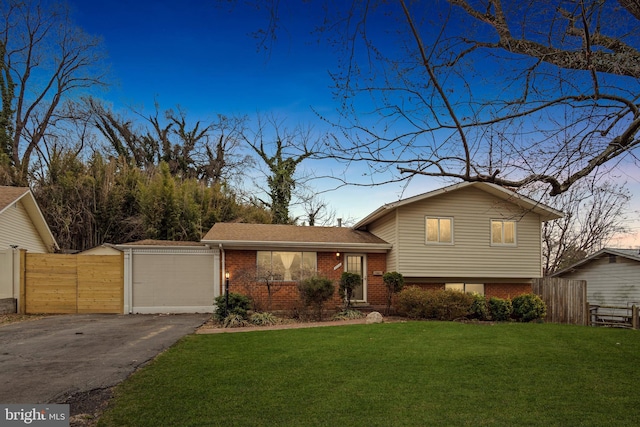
(285, 266)
(439, 230)
(503, 232)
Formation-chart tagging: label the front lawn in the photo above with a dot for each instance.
(396, 374)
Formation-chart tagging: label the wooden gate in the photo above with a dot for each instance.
(55, 283)
(566, 300)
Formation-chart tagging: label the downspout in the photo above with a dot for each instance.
(224, 266)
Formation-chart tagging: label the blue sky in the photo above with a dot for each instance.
(201, 55)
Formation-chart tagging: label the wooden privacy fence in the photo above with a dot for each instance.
(566, 300)
(55, 283)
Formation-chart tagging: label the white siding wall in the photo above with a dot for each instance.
(471, 254)
(16, 228)
(610, 283)
(6, 273)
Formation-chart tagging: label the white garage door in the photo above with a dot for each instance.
(172, 281)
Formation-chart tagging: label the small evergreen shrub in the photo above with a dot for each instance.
(238, 304)
(316, 291)
(348, 283)
(393, 282)
(528, 307)
(348, 315)
(500, 309)
(440, 304)
(479, 308)
(263, 319)
(412, 302)
(448, 304)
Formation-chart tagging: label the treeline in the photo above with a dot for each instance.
(102, 177)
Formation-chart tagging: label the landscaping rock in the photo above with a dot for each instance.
(374, 317)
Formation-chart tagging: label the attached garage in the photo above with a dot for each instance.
(169, 277)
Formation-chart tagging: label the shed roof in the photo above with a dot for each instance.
(632, 254)
(256, 236)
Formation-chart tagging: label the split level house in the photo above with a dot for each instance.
(474, 237)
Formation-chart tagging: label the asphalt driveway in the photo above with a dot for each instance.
(46, 360)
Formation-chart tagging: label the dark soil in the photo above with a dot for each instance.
(86, 407)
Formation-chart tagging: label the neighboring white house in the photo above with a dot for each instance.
(22, 226)
(612, 275)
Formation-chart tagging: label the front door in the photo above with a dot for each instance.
(356, 263)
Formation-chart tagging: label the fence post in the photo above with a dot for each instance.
(634, 316)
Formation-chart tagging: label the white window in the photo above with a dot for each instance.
(472, 288)
(439, 230)
(285, 266)
(503, 232)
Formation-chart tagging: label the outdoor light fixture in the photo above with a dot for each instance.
(226, 294)
(337, 255)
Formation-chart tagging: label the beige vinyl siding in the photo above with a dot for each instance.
(16, 228)
(471, 254)
(610, 283)
(386, 229)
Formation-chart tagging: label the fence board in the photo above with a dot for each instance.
(56, 283)
(566, 300)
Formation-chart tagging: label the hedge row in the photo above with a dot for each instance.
(446, 304)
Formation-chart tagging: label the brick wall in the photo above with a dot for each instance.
(500, 290)
(241, 266)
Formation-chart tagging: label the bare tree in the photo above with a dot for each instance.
(281, 150)
(44, 59)
(499, 91)
(593, 214)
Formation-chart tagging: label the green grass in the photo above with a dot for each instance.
(396, 374)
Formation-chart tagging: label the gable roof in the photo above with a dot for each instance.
(546, 213)
(632, 254)
(11, 195)
(275, 236)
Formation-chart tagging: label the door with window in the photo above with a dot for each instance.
(357, 263)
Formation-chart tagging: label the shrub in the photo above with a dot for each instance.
(348, 315)
(412, 302)
(234, 321)
(528, 307)
(394, 282)
(238, 304)
(479, 308)
(449, 304)
(316, 291)
(500, 309)
(263, 319)
(440, 304)
(348, 283)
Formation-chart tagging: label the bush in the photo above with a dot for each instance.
(500, 309)
(449, 304)
(528, 307)
(238, 305)
(479, 308)
(348, 283)
(394, 282)
(316, 291)
(234, 321)
(412, 303)
(348, 315)
(441, 304)
(263, 319)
